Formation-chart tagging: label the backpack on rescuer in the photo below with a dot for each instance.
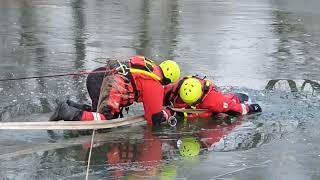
(137, 64)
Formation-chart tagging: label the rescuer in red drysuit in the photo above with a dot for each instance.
(193, 92)
(122, 84)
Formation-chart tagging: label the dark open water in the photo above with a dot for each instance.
(268, 48)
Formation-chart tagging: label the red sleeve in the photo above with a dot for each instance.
(217, 102)
(152, 94)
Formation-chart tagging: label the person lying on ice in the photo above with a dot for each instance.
(122, 84)
(196, 93)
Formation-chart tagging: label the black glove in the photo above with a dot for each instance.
(254, 108)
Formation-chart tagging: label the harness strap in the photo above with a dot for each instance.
(120, 113)
(127, 81)
(128, 103)
(134, 86)
(175, 93)
(172, 94)
(154, 76)
(127, 69)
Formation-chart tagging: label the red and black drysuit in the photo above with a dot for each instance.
(211, 99)
(138, 80)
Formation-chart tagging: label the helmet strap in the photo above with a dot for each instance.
(165, 81)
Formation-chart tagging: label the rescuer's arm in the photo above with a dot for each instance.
(152, 98)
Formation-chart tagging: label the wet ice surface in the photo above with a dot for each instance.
(279, 143)
(240, 45)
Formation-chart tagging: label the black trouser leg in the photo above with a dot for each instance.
(242, 97)
(66, 112)
(94, 82)
(84, 107)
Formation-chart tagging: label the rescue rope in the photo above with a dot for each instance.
(96, 114)
(89, 158)
(66, 74)
(55, 75)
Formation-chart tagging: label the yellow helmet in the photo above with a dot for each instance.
(189, 147)
(190, 90)
(171, 70)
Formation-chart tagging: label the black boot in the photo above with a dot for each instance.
(66, 112)
(84, 107)
(254, 108)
